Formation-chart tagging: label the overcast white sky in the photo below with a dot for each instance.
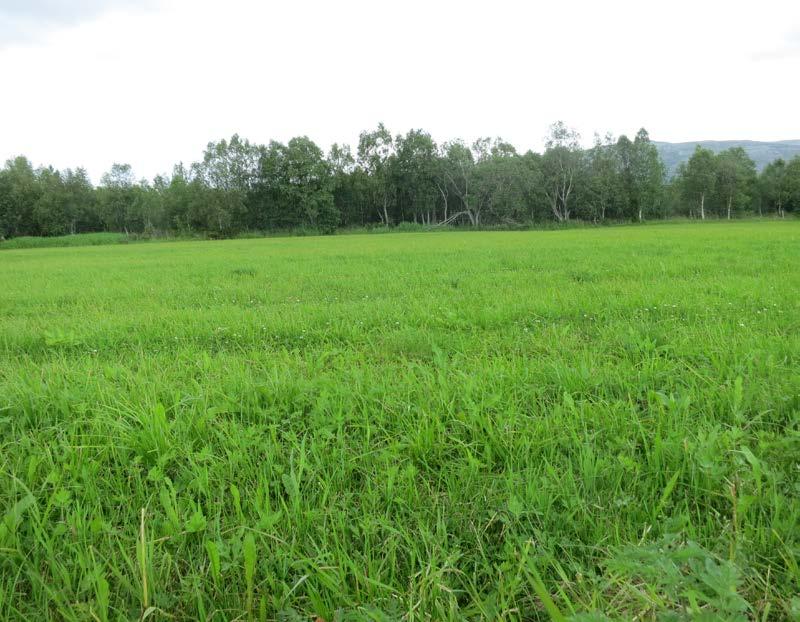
(92, 82)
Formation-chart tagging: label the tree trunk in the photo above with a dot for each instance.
(554, 206)
(702, 206)
(444, 200)
(730, 200)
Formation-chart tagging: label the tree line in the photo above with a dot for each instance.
(390, 179)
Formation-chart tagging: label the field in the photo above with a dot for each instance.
(82, 239)
(463, 425)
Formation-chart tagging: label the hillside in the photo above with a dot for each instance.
(762, 152)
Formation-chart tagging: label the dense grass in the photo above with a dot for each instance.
(79, 239)
(429, 426)
(95, 239)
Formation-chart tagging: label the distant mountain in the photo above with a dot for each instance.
(762, 153)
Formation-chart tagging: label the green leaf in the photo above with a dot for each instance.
(213, 557)
(197, 522)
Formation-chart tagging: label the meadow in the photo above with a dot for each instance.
(582, 424)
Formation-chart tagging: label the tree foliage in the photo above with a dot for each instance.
(238, 185)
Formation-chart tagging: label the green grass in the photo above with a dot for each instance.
(78, 239)
(509, 425)
(103, 238)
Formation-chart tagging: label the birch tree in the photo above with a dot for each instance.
(736, 176)
(562, 165)
(459, 170)
(376, 151)
(699, 178)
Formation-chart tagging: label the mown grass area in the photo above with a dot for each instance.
(511, 425)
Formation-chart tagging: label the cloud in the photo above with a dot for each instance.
(787, 49)
(27, 21)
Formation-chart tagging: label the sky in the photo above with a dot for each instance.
(151, 82)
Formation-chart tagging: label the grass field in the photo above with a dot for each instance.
(448, 426)
(80, 239)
